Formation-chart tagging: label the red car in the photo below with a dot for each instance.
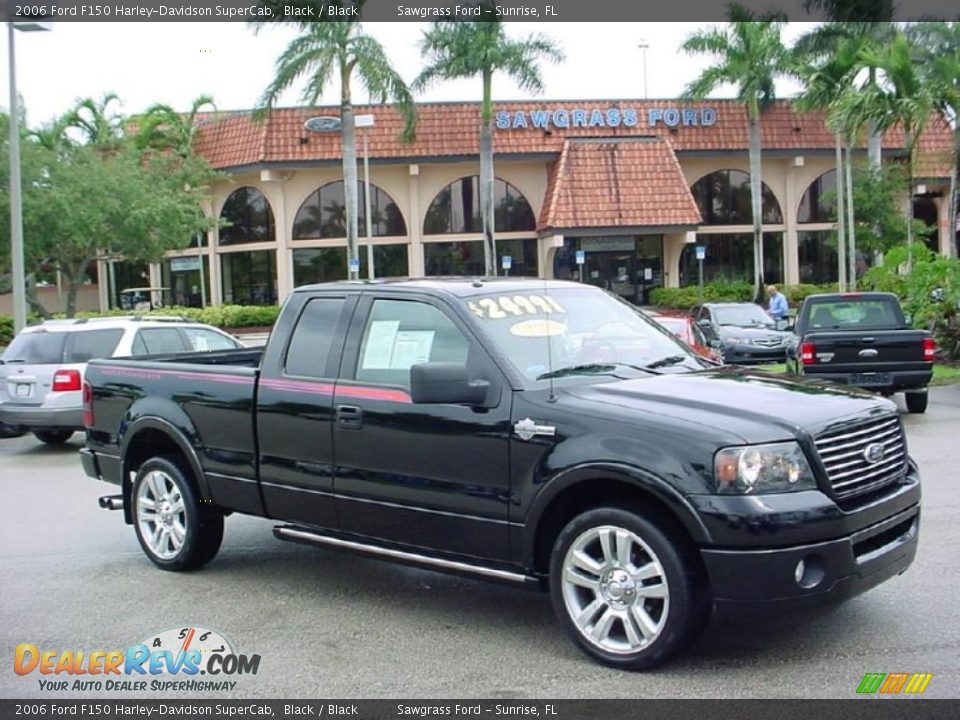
(683, 327)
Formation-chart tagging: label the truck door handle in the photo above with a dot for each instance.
(349, 417)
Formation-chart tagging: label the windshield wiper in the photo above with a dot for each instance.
(665, 361)
(592, 369)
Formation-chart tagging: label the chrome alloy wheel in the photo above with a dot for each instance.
(615, 589)
(161, 514)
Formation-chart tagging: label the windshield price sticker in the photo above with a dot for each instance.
(506, 306)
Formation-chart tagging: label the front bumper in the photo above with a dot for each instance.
(29, 417)
(833, 570)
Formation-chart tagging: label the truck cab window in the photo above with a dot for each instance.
(400, 334)
(309, 347)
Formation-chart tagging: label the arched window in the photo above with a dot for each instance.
(456, 209)
(249, 216)
(819, 202)
(724, 199)
(324, 214)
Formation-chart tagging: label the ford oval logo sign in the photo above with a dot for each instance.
(322, 123)
(874, 453)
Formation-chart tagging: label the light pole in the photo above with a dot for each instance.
(365, 122)
(16, 205)
(643, 45)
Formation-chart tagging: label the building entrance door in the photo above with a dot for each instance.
(630, 267)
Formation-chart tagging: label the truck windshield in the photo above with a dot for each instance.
(583, 330)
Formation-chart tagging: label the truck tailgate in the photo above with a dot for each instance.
(876, 351)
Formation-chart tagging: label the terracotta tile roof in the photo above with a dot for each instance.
(450, 129)
(632, 182)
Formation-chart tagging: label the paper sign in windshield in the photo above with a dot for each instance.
(537, 328)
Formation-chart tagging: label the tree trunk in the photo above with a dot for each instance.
(841, 229)
(74, 280)
(487, 178)
(874, 146)
(756, 200)
(952, 222)
(851, 229)
(31, 297)
(908, 203)
(348, 134)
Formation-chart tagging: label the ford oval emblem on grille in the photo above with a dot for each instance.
(869, 352)
(874, 453)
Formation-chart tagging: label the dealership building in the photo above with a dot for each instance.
(637, 185)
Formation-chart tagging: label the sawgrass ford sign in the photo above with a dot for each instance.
(563, 118)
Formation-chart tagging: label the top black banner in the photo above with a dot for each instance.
(41, 11)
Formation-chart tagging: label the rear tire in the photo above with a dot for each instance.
(627, 592)
(175, 530)
(917, 402)
(53, 437)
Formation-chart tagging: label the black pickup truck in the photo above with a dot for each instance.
(863, 339)
(540, 433)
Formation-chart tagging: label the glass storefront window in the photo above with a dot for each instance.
(466, 258)
(249, 278)
(627, 265)
(182, 278)
(122, 275)
(324, 214)
(819, 201)
(249, 216)
(730, 258)
(456, 209)
(925, 209)
(724, 199)
(318, 265)
(817, 255)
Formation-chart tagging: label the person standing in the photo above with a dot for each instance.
(778, 307)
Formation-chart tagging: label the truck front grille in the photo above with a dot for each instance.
(853, 459)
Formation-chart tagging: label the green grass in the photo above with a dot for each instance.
(942, 374)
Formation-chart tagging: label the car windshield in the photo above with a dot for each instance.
(585, 330)
(742, 316)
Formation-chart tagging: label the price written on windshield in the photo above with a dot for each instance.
(506, 306)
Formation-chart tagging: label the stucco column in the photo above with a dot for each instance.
(103, 285)
(547, 250)
(213, 243)
(673, 245)
(415, 224)
(791, 248)
(944, 231)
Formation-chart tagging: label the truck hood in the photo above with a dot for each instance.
(750, 405)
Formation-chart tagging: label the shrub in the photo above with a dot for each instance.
(686, 297)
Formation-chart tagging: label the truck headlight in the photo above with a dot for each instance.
(752, 469)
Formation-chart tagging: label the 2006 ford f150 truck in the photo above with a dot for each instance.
(542, 433)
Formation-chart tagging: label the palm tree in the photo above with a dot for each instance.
(939, 43)
(750, 55)
(328, 50)
(899, 96)
(163, 128)
(467, 49)
(96, 122)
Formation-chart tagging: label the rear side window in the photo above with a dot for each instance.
(309, 347)
(881, 314)
(89, 344)
(36, 348)
(202, 340)
(158, 341)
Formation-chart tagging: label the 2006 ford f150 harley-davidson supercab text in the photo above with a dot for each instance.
(542, 433)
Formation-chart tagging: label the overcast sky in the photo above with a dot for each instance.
(173, 63)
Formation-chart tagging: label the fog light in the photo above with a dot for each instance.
(800, 570)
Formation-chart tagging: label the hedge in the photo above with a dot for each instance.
(228, 317)
(687, 297)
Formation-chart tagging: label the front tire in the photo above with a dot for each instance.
(53, 437)
(627, 592)
(916, 402)
(174, 529)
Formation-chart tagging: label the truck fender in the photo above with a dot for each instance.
(676, 504)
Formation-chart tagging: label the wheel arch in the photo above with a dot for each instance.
(585, 487)
(150, 437)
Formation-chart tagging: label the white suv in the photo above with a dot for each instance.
(41, 371)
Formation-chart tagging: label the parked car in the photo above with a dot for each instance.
(744, 331)
(863, 339)
(449, 424)
(687, 331)
(42, 369)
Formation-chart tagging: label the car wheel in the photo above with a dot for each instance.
(174, 529)
(916, 402)
(628, 593)
(53, 437)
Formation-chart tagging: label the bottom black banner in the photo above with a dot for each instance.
(865, 709)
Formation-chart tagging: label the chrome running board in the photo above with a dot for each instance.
(403, 556)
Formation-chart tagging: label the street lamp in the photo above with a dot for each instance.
(367, 121)
(643, 45)
(16, 205)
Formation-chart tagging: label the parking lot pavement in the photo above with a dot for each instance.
(72, 577)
